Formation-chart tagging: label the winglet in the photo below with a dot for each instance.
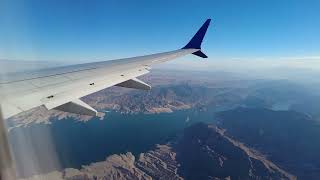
(195, 42)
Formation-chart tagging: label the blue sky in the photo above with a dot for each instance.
(92, 30)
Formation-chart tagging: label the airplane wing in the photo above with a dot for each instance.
(61, 88)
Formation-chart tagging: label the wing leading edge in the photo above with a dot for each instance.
(61, 88)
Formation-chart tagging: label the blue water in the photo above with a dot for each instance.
(81, 143)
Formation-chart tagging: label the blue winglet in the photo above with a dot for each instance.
(195, 42)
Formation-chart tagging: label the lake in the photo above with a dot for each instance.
(42, 148)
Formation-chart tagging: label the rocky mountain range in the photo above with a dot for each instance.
(288, 138)
(205, 152)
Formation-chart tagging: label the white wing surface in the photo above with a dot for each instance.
(62, 87)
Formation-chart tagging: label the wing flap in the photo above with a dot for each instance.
(78, 107)
(135, 84)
